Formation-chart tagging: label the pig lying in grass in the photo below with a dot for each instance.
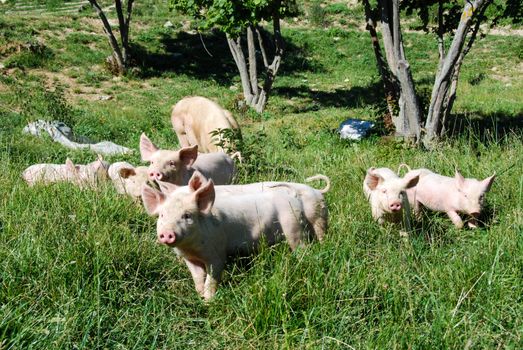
(194, 118)
(205, 227)
(453, 196)
(80, 175)
(386, 193)
(313, 201)
(128, 179)
(177, 167)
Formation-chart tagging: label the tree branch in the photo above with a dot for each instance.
(239, 59)
(261, 44)
(252, 61)
(117, 53)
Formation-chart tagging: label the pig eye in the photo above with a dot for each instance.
(384, 190)
(172, 163)
(186, 216)
(161, 215)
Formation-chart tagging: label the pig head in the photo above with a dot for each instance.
(178, 166)
(385, 191)
(128, 179)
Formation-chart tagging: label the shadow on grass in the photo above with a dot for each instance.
(207, 56)
(358, 96)
(486, 127)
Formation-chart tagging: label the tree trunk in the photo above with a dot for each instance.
(256, 96)
(440, 100)
(120, 54)
(239, 59)
(389, 84)
(407, 122)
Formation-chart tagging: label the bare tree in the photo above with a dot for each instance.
(120, 56)
(402, 99)
(256, 96)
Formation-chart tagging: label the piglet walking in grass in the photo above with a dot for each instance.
(453, 196)
(177, 167)
(385, 192)
(205, 227)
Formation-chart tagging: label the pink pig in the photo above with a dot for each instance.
(206, 227)
(450, 195)
(384, 190)
(177, 167)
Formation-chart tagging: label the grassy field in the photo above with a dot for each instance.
(81, 269)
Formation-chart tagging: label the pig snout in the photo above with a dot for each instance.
(166, 237)
(155, 175)
(395, 206)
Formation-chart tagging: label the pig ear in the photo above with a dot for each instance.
(188, 155)
(487, 183)
(205, 196)
(196, 181)
(147, 148)
(372, 179)
(152, 199)
(411, 180)
(126, 172)
(460, 180)
(167, 187)
(70, 166)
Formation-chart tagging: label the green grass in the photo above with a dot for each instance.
(81, 269)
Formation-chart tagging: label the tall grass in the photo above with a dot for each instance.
(81, 269)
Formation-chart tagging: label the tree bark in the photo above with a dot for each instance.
(407, 122)
(256, 96)
(253, 73)
(451, 96)
(391, 91)
(239, 59)
(117, 53)
(433, 125)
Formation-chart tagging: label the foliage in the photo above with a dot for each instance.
(233, 17)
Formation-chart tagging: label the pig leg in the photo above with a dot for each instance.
(214, 272)
(192, 140)
(198, 275)
(318, 220)
(473, 222)
(455, 219)
(179, 129)
(292, 231)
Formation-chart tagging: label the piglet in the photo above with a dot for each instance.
(205, 228)
(453, 196)
(385, 191)
(81, 175)
(313, 200)
(177, 167)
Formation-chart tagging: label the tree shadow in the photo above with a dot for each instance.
(355, 97)
(484, 126)
(206, 56)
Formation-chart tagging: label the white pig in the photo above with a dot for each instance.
(453, 196)
(128, 179)
(313, 201)
(81, 175)
(177, 167)
(386, 193)
(195, 118)
(205, 228)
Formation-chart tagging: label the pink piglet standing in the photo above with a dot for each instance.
(452, 195)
